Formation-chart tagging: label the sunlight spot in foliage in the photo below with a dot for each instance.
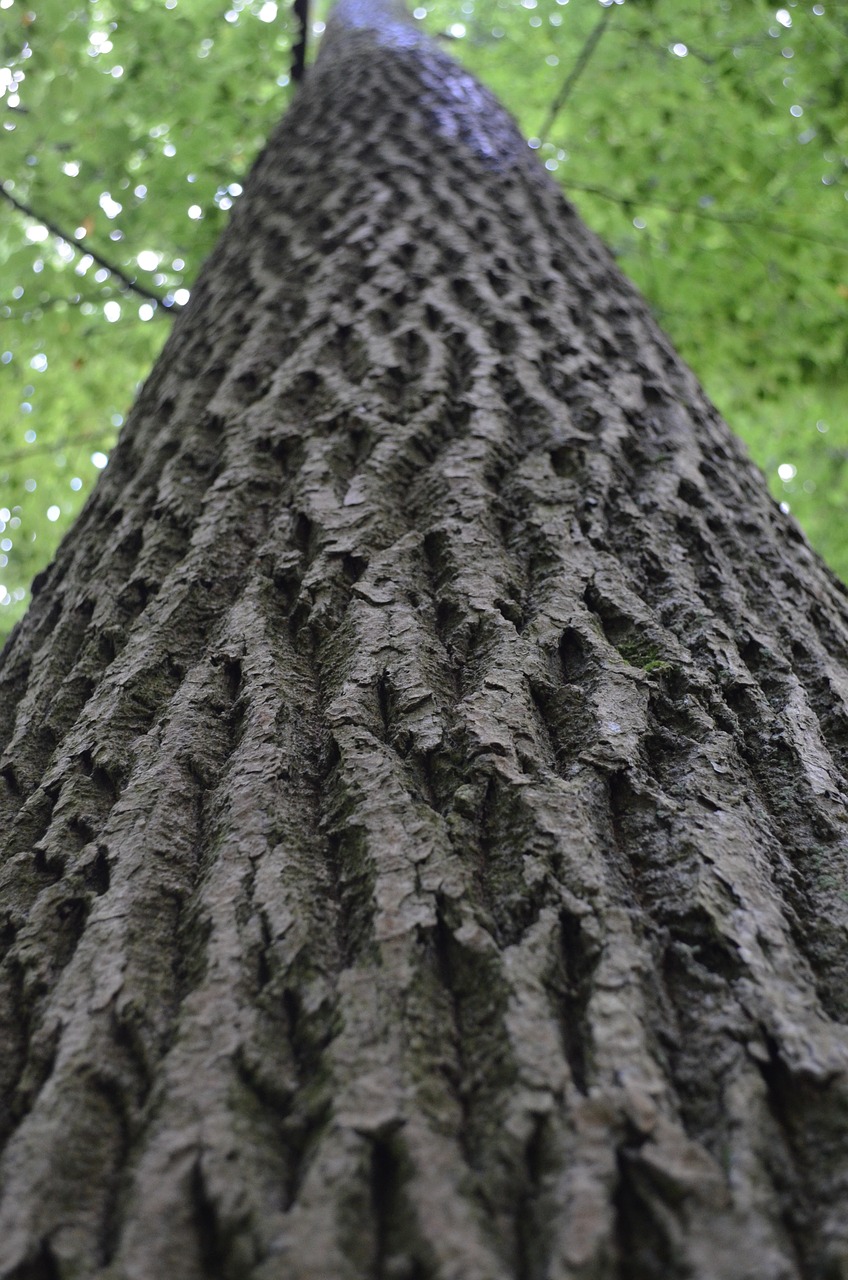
(26, 407)
(99, 42)
(796, 110)
(145, 311)
(457, 30)
(101, 275)
(53, 513)
(195, 212)
(785, 508)
(169, 149)
(419, 13)
(39, 362)
(117, 419)
(268, 12)
(76, 483)
(318, 28)
(231, 16)
(818, 10)
(112, 311)
(822, 426)
(552, 60)
(535, 21)
(535, 143)
(640, 224)
(680, 49)
(71, 168)
(148, 260)
(37, 234)
(109, 206)
(235, 189)
(786, 471)
(784, 17)
(529, 4)
(182, 296)
(30, 436)
(99, 459)
(117, 71)
(30, 485)
(552, 164)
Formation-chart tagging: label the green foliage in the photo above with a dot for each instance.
(127, 118)
(707, 144)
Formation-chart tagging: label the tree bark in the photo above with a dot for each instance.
(424, 773)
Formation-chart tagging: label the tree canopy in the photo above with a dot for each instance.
(707, 144)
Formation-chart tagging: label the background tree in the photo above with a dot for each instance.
(423, 772)
(706, 143)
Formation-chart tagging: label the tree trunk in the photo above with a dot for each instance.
(424, 831)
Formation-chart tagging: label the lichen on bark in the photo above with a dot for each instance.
(424, 842)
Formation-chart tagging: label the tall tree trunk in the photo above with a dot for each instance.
(424, 774)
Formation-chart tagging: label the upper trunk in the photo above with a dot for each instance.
(424, 764)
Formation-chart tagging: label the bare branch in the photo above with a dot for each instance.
(751, 220)
(298, 64)
(56, 446)
(127, 281)
(576, 71)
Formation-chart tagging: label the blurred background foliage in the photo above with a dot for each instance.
(706, 142)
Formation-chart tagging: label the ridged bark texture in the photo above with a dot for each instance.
(424, 774)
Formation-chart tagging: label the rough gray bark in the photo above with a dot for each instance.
(424, 765)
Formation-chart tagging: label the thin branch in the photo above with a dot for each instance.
(6, 313)
(56, 446)
(298, 63)
(729, 219)
(576, 71)
(127, 281)
(44, 304)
